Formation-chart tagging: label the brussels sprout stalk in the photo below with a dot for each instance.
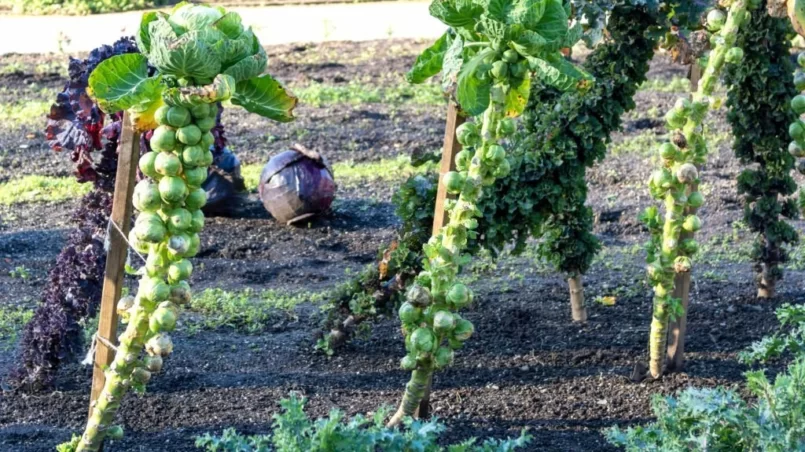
(674, 184)
(181, 103)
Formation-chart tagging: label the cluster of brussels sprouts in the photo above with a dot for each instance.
(797, 128)
(675, 183)
(432, 328)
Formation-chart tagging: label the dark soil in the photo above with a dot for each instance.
(527, 365)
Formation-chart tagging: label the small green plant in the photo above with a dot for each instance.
(81, 7)
(294, 431)
(20, 272)
(41, 189)
(11, 322)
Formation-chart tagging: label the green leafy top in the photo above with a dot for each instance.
(483, 30)
(202, 54)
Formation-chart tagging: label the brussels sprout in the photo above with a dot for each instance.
(799, 80)
(193, 246)
(716, 19)
(146, 196)
(418, 296)
(518, 70)
(150, 231)
(140, 375)
(124, 304)
(161, 114)
(689, 246)
(167, 164)
(153, 363)
(511, 56)
(495, 153)
(163, 139)
(114, 432)
(687, 173)
(409, 313)
(454, 343)
(503, 169)
(500, 70)
(195, 176)
(207, 140)
(668, 151)
(206, 124)
(735, 55)
(196, 221)
(146, 164)
(692, 223)
(162, 321)
(464, 329)
(422, 340)
(159, 345)
(796, 130)
(695, 199)
(189, 135)
(676, 118)
(196, 199)
(180, 293)
(798, 104)
(408, 362)
(138, 244)
(468, 134)
(801, 60)
(662, 178)
(795, 149)
(454, 182)
(177, 116)
(443, 322)
(195, 155)
(153, 289)
(506, 127)
(180, 271)
(682, 264)
(179, 219)
(444, 357)
(660, 291)
(200, 111)
(172, 189)
(460, 295)
(179, 244)
(463, 159)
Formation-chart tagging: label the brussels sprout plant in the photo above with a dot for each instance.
(203, 55)
(673, 184)
(491, 52)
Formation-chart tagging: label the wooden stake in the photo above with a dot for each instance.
(127, 156)
(449, 151)
(675, 352)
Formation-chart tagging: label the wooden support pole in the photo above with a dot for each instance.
(128, 154)
(449, 151)
(675, 352)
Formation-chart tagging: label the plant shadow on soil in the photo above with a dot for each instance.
(526, 366)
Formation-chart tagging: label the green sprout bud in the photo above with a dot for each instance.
(167, 164)
(463, 160)
(676, 118)
(506, 127)
(178, 245)
(196, 199)
(162, 321)
(464, 329)
(799, 79)
(692, 223)
(422, 340)
(443, 357)
(408, 362)
(161, 115)
(495, 153)
(798, 104)
(796, 150)
(454, 343)
(418, 296)
(196, 221)
(114, 433)
(500, 70)
(206, 124)
(689, 246)
(207, 140)
(153, 289)
(443, 322)
(140, 375)
(172, 189)
(409, 313)
(189, 135)
(716, 19)
(159, 345)
(460, 295)
(200, 111)
(668, 151)
(163, 139)
(796, 130)
(124, 304)
(195, 155)
(801, 59)
(511, 56)
(153, 363)
(138, 244)
(179, 219)
(180, 293)
(146, 196)
(696, 199)
(660, 291)
(682, 264)
(454, 181)
(734, 55)
(518, 70)
(150, 231)
(424, 279)
(194, 177)
(468, 134)
(662, 178)
(177, 116)
(687, 173)
(146, 164)
(503, 169)
(179, 271)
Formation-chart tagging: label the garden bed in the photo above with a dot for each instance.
(528, 366)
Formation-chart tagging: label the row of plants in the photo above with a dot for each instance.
(81, 7)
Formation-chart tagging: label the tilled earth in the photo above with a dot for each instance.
(526, 367)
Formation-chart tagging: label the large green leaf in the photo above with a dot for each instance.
(553, 23)
(473, 93)
(249, 67)
(429, 62)
(197, 54)
(573, 36)
(453, 59)
(266, 97)
(122, 81)
(230, 25)
(143, 36)
(456, 13)
(221, 89)
(527, 13)
(517, 97)
(560, 73)
(500, 9)
(235, 50)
